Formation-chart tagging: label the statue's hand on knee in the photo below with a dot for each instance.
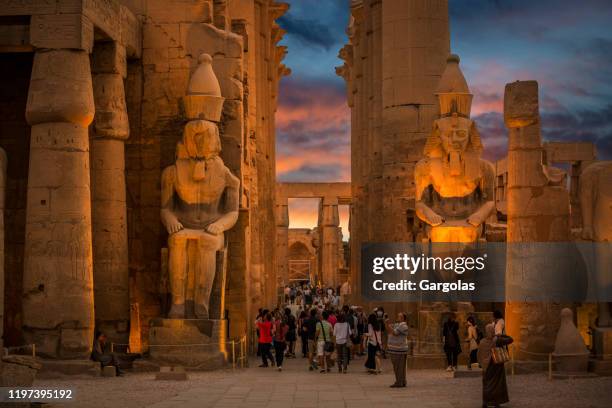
(215, 228)
(174, 226)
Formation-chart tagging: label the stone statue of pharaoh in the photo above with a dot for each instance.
(454, 186)
(199, 200)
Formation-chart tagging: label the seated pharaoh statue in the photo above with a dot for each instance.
(454, 186)
(199, 199)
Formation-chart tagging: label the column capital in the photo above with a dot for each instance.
(60, 88)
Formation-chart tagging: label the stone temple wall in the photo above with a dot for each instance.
(103, 82)
(393, 63)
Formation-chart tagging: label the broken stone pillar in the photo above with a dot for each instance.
(58, 304)
(538, 211)
(109, 215)
(329, 222)
(282, 239)
(3, 163)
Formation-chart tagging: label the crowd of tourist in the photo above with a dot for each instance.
(333, 335)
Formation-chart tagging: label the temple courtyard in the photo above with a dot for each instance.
(297, 387)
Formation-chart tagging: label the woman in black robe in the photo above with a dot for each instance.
(452, 345)
(494, 387)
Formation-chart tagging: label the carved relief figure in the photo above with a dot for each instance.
(454, 186)
(199, 197)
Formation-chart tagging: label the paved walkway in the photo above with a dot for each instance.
(299, 388)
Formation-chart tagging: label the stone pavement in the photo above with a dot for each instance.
(296, 387)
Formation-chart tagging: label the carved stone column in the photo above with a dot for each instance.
(58, 309)
(282, 239)
(109, 215)
(538, 211)
(329, 221)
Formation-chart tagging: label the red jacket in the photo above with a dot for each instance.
(265, 331)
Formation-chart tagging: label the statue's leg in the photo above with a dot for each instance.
(205, 274)
(177, 268)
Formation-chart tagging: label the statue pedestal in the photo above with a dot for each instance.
(196, 344)
(428, 350)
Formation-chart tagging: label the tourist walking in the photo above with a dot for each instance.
(280, 334)
(397, 348)
(452, 345)
(472, 340)
(373, 337)
(362, 329)
(291, 336)
(342, 334)
(494, 387)
(325, 344)
(303, 330)
(265, 339)
(311, 331)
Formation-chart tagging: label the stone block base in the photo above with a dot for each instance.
(109, 371)
(54, 368)
(601, 367)
(18, 371)
(602, 343)
(196, 344)
(171, 374)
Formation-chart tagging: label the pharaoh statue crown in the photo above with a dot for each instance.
(203, 99)
(453, 93)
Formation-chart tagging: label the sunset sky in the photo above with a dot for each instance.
(566, 45)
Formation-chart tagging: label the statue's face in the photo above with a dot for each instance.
(454, 133)
(204, 144)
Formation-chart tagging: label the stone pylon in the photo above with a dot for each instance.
(58, 303)
(538, 211)
(109, 215)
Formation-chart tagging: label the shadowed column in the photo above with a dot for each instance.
(57, 280)
(109, 215)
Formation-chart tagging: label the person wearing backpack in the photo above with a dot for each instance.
(494, 386)
(472, 340)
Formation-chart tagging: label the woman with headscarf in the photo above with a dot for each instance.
(494, 387)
